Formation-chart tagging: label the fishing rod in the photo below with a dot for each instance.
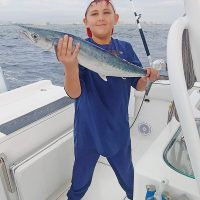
(148, 56)
(144, 43)
(156, 64)
(142, 33)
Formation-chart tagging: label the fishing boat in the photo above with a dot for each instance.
(36, 133)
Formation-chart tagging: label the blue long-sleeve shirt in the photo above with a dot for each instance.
(101, 111)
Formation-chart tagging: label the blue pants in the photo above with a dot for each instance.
(85, 162)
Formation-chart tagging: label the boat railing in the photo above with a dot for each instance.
(180, 93)
(3, 85)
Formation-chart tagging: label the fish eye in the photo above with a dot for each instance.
(35, 36)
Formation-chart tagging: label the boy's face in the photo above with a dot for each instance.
(101, 19)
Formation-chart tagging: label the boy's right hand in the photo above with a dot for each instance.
(66, 54)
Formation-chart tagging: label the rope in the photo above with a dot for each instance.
(190, 77)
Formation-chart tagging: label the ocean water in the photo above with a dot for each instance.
(23, 63)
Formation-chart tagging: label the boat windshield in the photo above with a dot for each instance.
(176, 155)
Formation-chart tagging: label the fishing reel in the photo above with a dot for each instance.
(160, 64)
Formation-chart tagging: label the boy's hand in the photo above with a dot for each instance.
(67, 54)
(152, 74)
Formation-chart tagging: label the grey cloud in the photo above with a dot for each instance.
(66, 11)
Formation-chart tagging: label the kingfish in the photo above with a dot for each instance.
(90, 55)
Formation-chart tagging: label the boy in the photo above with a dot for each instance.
(101, 124)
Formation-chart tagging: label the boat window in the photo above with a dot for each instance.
(176, 154)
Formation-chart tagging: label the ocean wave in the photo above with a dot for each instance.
(25, 63)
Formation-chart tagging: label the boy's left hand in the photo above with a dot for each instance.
(152, 74)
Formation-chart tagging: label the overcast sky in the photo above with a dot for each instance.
(69, 11)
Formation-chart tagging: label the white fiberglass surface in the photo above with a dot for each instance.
(104, 185)
(176, 154)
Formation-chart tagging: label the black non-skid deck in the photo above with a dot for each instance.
(37, 114)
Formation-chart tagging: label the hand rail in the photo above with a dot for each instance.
(3, 86)
(6, 174)
(180, 93)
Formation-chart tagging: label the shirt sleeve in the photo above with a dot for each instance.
(132, 57)
(82, 71)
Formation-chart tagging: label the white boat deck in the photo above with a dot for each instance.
(28, 168)
(104, 186)
(42, 166)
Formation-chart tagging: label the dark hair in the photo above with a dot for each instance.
(97, 1)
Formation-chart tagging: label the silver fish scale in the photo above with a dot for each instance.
(108, 58)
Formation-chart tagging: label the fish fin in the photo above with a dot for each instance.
(55, 48)
(103, 77)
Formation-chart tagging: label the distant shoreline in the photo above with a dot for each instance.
(79, 24)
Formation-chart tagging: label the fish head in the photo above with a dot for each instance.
(37, 36)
